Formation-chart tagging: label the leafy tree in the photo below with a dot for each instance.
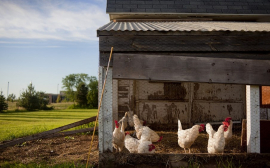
(32, 100)
(92, 95)
(71, 82)
(81, 96)
(11, 97)
(3, 104)
(58, 100)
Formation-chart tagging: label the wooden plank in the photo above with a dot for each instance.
(104, 56)
(47, 133)
(185, 43)
(106, 112)
(191, 69)
(244, 134)
(100, 116)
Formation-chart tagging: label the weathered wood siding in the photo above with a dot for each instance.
(164, 103)
(183, 43)
(265, 113)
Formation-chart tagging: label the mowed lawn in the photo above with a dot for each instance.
(19, 124)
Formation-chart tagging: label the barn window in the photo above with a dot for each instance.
(265, 96)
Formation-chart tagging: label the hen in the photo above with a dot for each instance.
(136, 146)
(187, 137)
(131, 143)
(228, 133)
(124, 120)
(118, 137)
(145, 132)
(216, 141)
(146, 147)
(130, 119)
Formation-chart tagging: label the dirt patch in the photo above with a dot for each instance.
(76, 148)
(53, 151)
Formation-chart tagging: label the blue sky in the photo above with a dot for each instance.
(45, 40)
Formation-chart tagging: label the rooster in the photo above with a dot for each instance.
(124, 120)
(148, 134)
(134, 145)
(187, 137)
(118, 137)
(228, 133)
(216, 141)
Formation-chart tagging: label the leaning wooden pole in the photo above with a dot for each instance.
(99, 107)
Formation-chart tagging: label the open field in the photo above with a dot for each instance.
(57, 106)
(17, 124)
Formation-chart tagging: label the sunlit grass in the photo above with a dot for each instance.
(19, 124)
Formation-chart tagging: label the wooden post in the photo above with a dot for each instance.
(115, 100)
(106, 114)
(253, 118)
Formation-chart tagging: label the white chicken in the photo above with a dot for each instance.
(216, 141)
(131, 143)
(124, 120)
(228, 133)
(118, 137)
(136, 146)
(148, 134)
(146, 147)
(187, 137)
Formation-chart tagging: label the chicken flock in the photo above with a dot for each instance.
(146, 136)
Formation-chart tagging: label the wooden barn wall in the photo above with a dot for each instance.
(265, 113)
(164, 103)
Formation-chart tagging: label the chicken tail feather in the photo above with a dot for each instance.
(179, 125)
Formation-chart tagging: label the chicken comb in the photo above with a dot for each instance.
(228, 119)
(225, 123)
(203, 126)
(153, 146)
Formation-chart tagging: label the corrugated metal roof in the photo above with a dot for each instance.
(187, 26)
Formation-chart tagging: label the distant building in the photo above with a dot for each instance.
(53, 97)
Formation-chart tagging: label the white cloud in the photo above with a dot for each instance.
(58, 20)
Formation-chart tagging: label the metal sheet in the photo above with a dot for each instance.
(186, 26)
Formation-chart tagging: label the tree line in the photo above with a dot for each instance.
(79, 88)
(82, 89)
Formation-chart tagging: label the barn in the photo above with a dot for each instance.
(198, 61)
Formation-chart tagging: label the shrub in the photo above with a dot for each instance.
(32, 100)
(3, 104)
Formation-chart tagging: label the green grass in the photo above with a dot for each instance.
(18, 124)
